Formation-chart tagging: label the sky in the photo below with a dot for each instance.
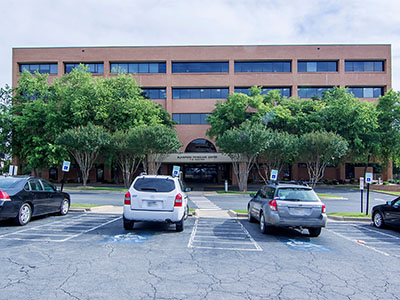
(68, 23)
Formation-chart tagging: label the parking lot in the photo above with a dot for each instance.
(91, 256)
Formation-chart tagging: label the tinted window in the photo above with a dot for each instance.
(366, 92)
(41, 68)
(297, 194)
(200, 67)
(48, 187)
(155, 93)
(308, 92)
(140, 67)
(161, 185)
(205, 93)
(363, 66)
(317, 66)
(9, 182)
(284, 91)
(35, 185)
(263, 66)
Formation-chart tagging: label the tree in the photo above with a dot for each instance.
(388, 109)
(43, 110)
(155, 141)
(5, 120)
(84, 143)
(237, 109)
(280, 149)
(242, 145)
(36, 123)
(318, 150)
(354, 120)
(128, 157)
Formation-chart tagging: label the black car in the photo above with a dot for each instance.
(387, 214)
(23, 197)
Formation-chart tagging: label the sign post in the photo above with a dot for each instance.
(65, 168)
(362, 192)
(368, 180)
(274, 175)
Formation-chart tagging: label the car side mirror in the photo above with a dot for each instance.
(388, 202)
(252, 195)
(188, 189)
(58, 189)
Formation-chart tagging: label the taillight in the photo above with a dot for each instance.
(4, 196)
(127, 200)
(273, 205)
(178, 200)
(323, 208)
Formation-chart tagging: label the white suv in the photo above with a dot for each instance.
(156, 198)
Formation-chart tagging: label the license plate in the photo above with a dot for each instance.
(298, 211)
(153, 204)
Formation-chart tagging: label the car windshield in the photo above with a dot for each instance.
(9, 182)
(297, 194)
(159, 185)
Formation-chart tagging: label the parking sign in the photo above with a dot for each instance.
(274, 175)
(65, 166)
(175, 170)
(368, 177)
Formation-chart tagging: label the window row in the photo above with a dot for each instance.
(200, 93)
(190, 118)
(222, 93)
(212, 67)
(94, 68)
(284, 91)
(142, 67)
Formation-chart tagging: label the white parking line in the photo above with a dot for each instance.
(225, 240)
(68, 229)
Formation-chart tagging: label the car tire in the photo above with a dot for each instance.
(377, 218)
(64, 208)
(314, 232)
(264, 228)
(24, 214)
(250, 218)
(180, 226)
(128, 224)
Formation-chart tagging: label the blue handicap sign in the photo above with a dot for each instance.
(128, 238)
(305, 245)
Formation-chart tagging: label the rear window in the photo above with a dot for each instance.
(9, 182)
(159, 185)
(297, 194)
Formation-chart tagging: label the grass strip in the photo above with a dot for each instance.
(388, 192)
(78, 205)
(327, 195)
(81, 188)
(350, 215)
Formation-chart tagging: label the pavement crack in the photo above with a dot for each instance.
(61, 286)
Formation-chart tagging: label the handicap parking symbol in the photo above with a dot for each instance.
(305, 245)
(128, 238)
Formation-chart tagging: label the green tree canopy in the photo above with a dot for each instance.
(5, 120)
(242, 145)
(388, 109)
(319, 149)
(85, 144)
(155, 142)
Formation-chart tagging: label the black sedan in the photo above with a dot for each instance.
(23, 197)
(387, 214)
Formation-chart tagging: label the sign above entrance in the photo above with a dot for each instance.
(197, 158)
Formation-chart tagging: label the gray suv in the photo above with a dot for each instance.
(287, 205)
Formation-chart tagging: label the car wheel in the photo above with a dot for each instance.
(179, 226)
(64, 208)
(378, 220)
(263, 227)
(128, 224)
(24, 214)
(314, 232)
(249, 216)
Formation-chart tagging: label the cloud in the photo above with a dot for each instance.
(208, 22)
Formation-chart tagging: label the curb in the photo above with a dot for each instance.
(339, 218)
